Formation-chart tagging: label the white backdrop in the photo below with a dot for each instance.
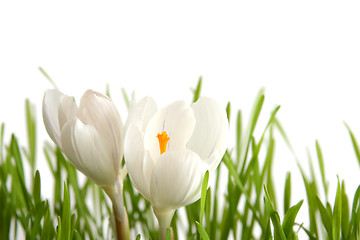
(306, 55)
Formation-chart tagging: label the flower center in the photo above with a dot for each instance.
(163, 140)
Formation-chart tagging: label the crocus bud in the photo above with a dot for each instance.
(91, 135)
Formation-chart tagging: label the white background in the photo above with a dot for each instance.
(306, 55)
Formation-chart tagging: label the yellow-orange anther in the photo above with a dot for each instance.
(163, 140)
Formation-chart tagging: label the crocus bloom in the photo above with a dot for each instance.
(167, 152)
(91, 137)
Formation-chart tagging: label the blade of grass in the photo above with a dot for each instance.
(254, 116)
(355, 143)
(31, 132)
(289, 218)
(203, 196)
(202, 231)
(126, 98)
(197, 90)
(287, 192)
(48, 77)
(321, 165)
(325, 216)
(66, 215)
(336, 220)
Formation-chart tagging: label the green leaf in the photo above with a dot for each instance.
(354, 142)
(203, 195)
(59, 231)
(2, 132)
(336, 220)
(233, 173)
(238, 135)
(31, 132)
(274, 216)
(321, 165)
(289, 218)
(208, 209)
(66, 215)
(202, 231)
(254, 116)
(325, 216)
(197, 90)
(287, 192)
(48, 229)
(168, 234)
(344, 212)
(107, 92)
(37, 188)
(228, 111)
(126, 98)
(48, 77)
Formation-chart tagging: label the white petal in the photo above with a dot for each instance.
(97, 110)
(141, 112)
(84, 147)
(176, 179)
(210, 133)
(178, 120)
(137, 161)
(50, 107)
(67, 110)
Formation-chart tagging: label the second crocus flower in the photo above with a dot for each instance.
(167, 152)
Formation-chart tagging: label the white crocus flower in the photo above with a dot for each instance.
(167, 152)
(91, 137)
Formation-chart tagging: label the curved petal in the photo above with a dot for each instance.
(176, 179)
(210, 133)
(67, 110)
(178, 120)
(86, 150)
(138, 162)
(97, 110)
(140, 113)
(50, 107)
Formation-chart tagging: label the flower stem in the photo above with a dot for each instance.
(120, 215)
(164, 218)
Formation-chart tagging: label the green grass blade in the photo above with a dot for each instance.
(48, 77)
(233, 173)
(238, 135)
(203, 196)
(274, 216)
(355, 143)
(287, 192)
(59, 230)
(321, 165)
(325, 217)
(197, 90)
(48, 229)
(228, 111)
(107, 91)
(2, 132)
(290, 217)
(125, 97)
(336, 218)
(345, 218)
(66, 215)
(168, 234)
(202, 231)
(31, 132)
(254, 116)
(355, 218)
(37, 188)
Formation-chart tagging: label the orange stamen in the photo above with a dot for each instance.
(163, 140)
